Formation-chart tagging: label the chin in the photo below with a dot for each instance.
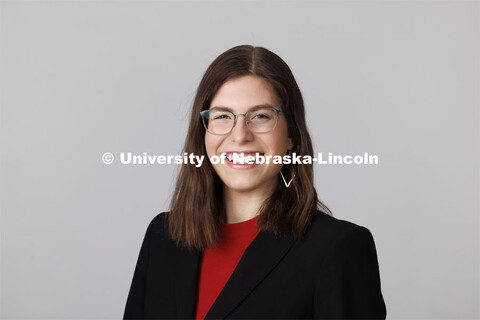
(241, 186)
(246, 185)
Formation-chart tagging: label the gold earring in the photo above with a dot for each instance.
(293, 176)
(285, 181)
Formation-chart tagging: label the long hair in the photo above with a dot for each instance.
(197, 206)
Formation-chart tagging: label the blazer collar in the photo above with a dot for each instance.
(260, 257)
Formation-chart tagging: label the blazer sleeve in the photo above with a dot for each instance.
(136, 298)
(348, 284)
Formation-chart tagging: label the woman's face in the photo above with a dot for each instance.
(240, 95)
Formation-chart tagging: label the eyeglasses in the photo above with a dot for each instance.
(258, 120)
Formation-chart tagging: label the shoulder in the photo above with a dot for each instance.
(325, 224)
(347, 275)
(157, 225)
(157, 236)
(331, 233)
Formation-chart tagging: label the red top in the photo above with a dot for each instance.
(218, 263)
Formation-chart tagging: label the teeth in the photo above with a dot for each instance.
(230, 156)
(241, 160)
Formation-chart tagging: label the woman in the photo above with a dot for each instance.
(252, 240)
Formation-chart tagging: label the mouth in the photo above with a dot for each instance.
(241, 159)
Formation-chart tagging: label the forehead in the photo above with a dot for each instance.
(243, 93)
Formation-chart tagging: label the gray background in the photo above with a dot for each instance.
(396, 79)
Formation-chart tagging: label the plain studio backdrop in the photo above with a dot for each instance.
(81, 78)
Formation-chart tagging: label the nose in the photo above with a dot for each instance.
(240, 132)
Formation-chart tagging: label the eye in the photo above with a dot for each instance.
(261, 116)
(221, 116)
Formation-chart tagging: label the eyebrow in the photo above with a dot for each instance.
(252, 107)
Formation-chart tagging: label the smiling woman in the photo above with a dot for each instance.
(254, 181)
(252, 240)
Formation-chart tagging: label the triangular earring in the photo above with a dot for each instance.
(285, 181)
(289, 153)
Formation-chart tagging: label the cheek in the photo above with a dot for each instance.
(211, 144)
(279, 141)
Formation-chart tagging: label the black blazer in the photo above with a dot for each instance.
(332, 273)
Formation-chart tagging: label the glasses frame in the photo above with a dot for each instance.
(202, 114)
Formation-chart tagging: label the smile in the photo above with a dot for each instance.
(241, 160)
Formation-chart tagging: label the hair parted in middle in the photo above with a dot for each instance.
(197, 207)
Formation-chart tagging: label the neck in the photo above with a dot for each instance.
(243, 205)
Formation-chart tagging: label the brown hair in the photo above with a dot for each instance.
(197, 206)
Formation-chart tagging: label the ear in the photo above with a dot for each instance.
(289, 143)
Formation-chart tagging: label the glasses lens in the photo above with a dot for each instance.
(218, 121)
(263, 119)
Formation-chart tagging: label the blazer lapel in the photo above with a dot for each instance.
(186, 275)
(260, 257)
